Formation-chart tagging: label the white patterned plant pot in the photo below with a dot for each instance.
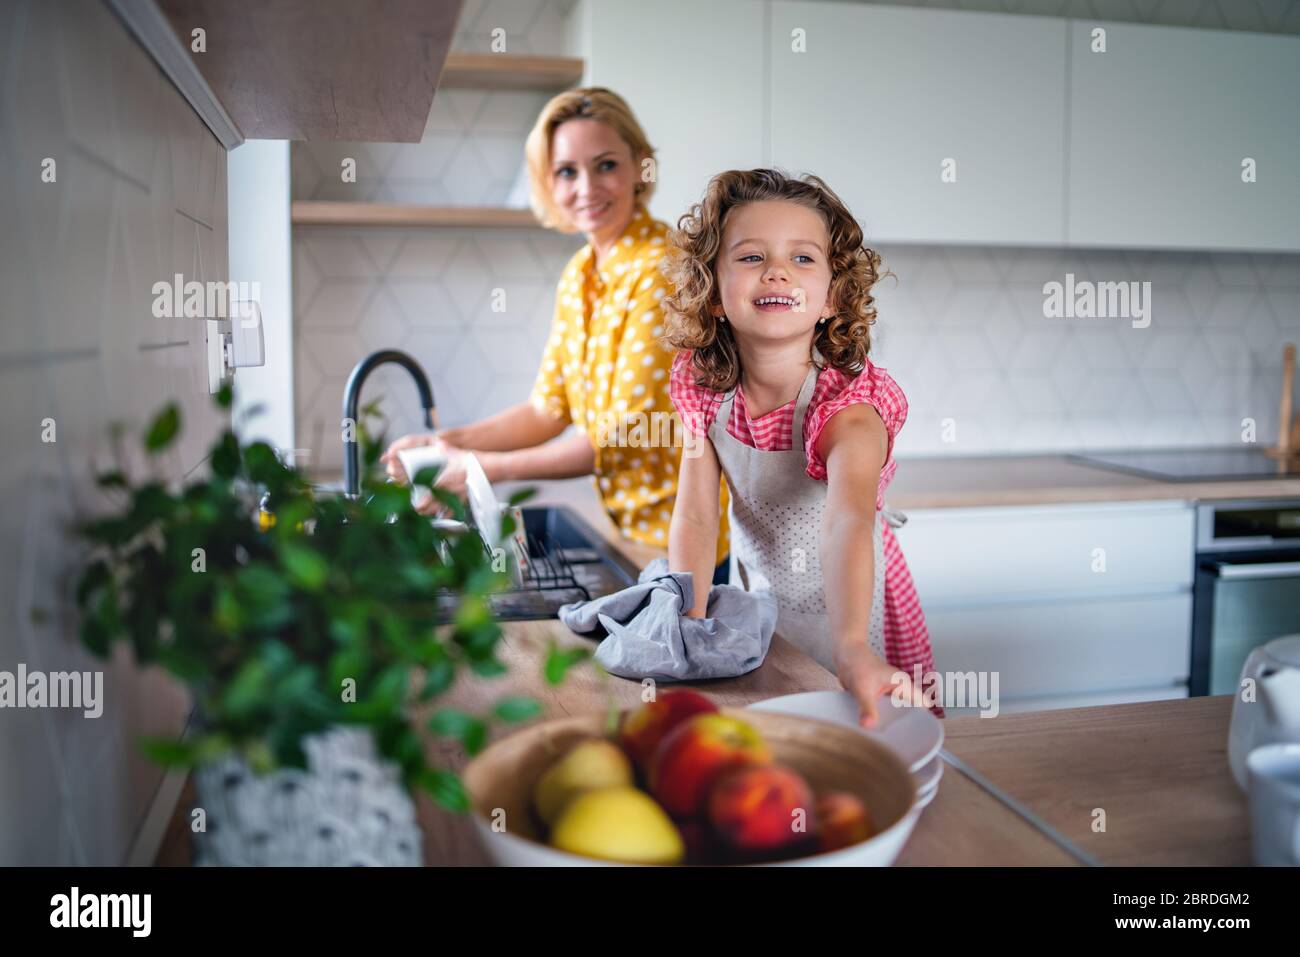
(348, 808)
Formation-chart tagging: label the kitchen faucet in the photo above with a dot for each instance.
(351, 453)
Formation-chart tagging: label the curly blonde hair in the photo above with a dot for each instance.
(690, 264)
(588, 102)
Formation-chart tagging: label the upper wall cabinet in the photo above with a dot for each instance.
(933, 126)
(1162, 125)
(940, 126)
(306, 69)
(693, 73)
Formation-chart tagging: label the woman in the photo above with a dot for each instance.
(604, 368)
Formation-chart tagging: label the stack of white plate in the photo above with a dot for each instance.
(914, 734)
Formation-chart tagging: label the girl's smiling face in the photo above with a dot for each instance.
(774, 249)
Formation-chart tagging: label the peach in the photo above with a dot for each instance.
(694, 753)
(844, 820)
(644, 728)
(763, 813)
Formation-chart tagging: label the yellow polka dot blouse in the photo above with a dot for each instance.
(606, 370)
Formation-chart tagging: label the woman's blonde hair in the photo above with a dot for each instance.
(591, 102)
(690, 264)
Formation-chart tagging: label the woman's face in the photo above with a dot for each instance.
(779, 249)
(593, 176)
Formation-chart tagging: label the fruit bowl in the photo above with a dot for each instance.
(500, 783)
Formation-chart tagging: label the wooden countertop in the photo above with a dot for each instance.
(984, 481)
(978, 481)
(963, 825)
(1158, 769)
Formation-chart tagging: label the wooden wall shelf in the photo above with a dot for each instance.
(329, 213)
(508, 71)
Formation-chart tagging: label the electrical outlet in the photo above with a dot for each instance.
(216, 354)
(235, 343)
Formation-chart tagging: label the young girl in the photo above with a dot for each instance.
(773, 311)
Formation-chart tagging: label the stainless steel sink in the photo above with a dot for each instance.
(570, 562)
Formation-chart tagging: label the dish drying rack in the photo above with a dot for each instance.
(561, 568)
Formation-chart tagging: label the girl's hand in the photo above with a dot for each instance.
(865, 676)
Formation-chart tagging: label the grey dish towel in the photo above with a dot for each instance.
(647, 634)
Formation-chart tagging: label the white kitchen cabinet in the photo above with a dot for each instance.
(883, 96)
(1051, 143)
(960, 556)
(1060, 647)
(1160, 124)
(1068, 604)
(694, 75)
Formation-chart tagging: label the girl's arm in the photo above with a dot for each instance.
(693, 531)
(854, 445)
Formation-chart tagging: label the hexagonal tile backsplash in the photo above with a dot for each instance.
(139, 194)
(961, 328)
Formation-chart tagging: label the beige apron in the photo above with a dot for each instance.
(776, 524)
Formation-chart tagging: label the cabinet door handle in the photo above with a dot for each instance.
(1264, 570)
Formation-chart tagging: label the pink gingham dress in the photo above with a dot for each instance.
(907, 641)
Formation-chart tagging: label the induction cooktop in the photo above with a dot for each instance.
(1192, 465)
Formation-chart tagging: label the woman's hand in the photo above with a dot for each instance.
(865, 676)
(451, 475)
(393, 465)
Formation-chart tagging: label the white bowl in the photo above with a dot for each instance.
(500, 783)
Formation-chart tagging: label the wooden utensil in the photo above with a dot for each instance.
(1288, 425)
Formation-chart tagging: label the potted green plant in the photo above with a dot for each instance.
(314, 638)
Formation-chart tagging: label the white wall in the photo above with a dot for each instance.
(261, 251)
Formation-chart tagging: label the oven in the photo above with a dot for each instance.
(1247, 586)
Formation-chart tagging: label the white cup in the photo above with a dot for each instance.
(1274, 774)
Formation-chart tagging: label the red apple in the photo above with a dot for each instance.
(844, 820)
(763, 813)
(694, 753)
(644, 728)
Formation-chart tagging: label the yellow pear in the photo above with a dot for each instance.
(618, 824)
(591, 764)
